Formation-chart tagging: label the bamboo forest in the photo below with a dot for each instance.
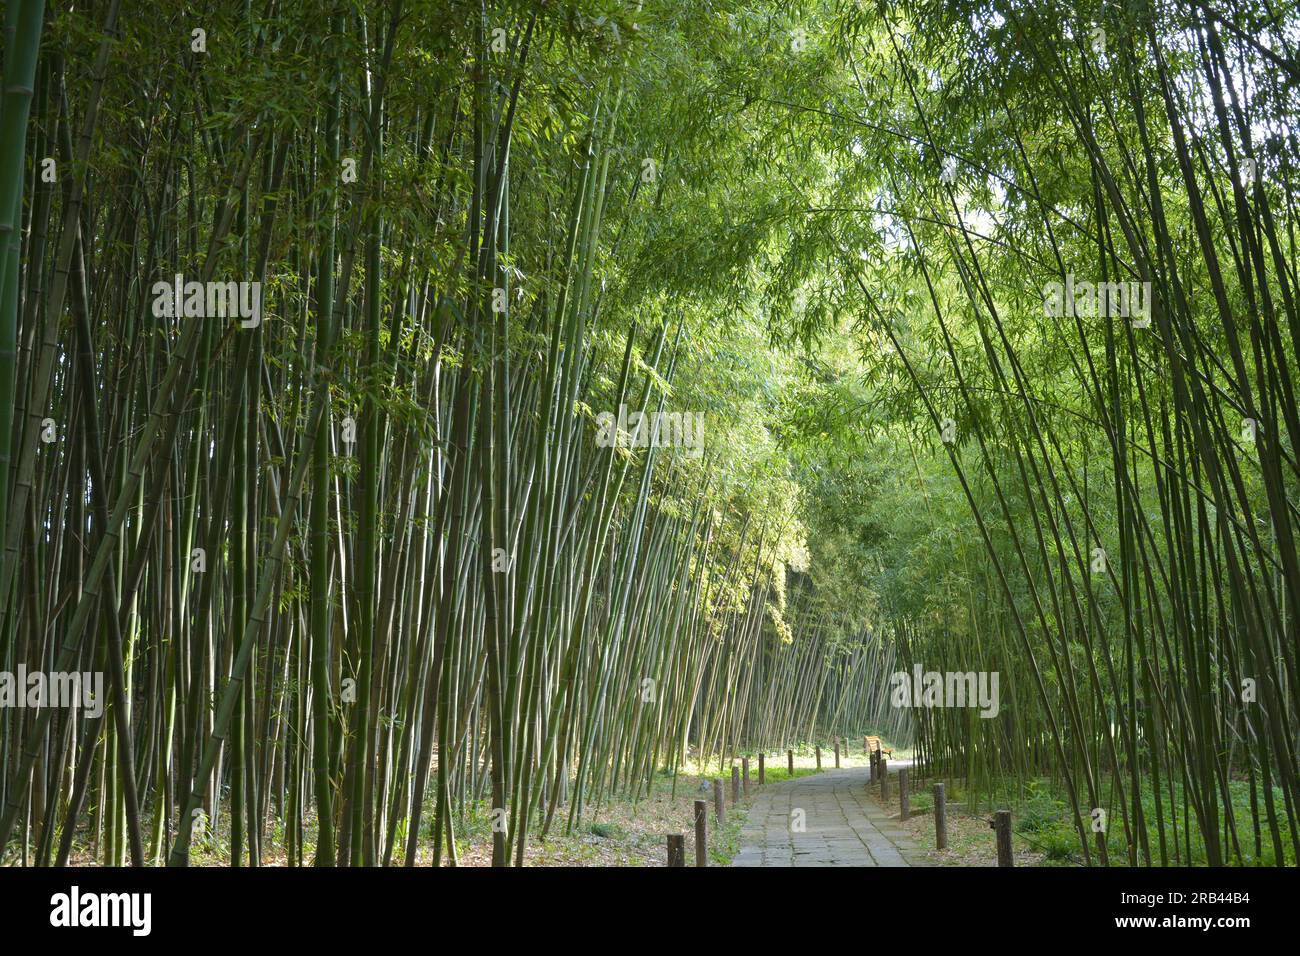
(524, 433)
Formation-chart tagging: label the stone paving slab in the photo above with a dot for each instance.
(841, 825)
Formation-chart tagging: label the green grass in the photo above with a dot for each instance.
(724, 841)
(1041, 815)
(778, 774)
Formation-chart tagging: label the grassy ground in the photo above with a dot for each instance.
(1043, 815)
(1043, 830)
(622, 832)
(970, 838)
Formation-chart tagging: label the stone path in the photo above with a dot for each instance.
(842, 826)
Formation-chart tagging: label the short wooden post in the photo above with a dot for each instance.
(904, 811)
(940, 818)
(701, 833)
(735, 783)
(871, 775)
(744, 773)
(1001, 825)
(676, 849)
(819, 756)
(719, 806)
(884, 779)
(837, 753)
(789, 761)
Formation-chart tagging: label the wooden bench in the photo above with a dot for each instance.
(874, 744)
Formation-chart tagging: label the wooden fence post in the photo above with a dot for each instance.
(762, 767)
(940, 818)
(789, 760)
(819, 756)
(884, 780)
(903, 809)
(744, 773)
(676, 849)
(719, 806)
(1001, 824)
(701, 833)
(735, 784)
(837, 753)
